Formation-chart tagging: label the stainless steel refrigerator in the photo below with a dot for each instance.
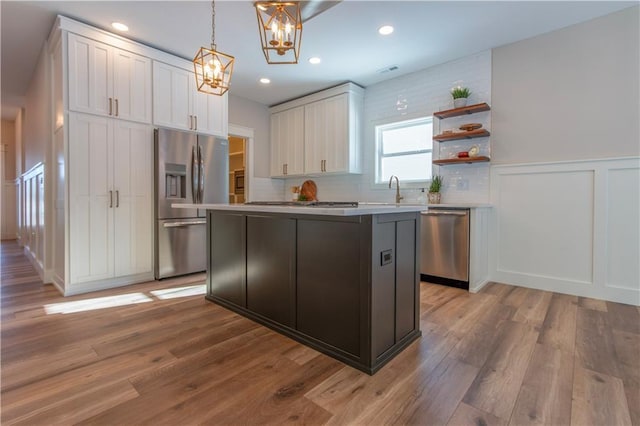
(192, 169)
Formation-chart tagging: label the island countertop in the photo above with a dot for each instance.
(361, 210)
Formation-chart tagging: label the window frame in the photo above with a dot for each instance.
(395, 123)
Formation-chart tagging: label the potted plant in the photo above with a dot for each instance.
(434, 190)
(460, 95)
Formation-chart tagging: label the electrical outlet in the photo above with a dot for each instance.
(462, 184)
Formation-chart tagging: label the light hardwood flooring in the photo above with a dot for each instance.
(507, 355)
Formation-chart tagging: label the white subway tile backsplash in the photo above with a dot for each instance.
(418, 93)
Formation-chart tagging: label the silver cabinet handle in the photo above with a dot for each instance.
(190, 122)
(110, 106)
(116, 107)
(110, 199)
(117, 198)
(195, 117)
(177, 224)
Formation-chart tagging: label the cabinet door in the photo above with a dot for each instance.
(277, 146)
(287, 142)
(133, 190)
(90, 201)
(328, 283)
(326, 135)
(210, 112)
(131, 86)
(271, 267)
(227, 269)
(315, 135)
(171, 96)
(90, 79)
(335, 144)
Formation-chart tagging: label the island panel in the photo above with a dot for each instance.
(227, 257)
(271, 291)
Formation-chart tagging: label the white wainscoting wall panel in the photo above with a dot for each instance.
(570, 227)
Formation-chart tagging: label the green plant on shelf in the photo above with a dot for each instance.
(436, 183)
(460, 92)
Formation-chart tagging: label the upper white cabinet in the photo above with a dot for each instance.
(330, 139)
(178, 104)
(110, 198)
(287, 142)
(106, 80)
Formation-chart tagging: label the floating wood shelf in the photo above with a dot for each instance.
(471, 109)
(478, 133)
(466, 160)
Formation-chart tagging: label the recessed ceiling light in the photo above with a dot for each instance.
(315, 60)
(385, 29)
(119, 26)
(265, 80)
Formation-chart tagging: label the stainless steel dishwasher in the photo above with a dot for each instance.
(444, 247)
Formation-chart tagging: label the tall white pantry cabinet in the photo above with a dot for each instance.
(102, 155)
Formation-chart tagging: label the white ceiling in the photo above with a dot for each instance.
(344, 36)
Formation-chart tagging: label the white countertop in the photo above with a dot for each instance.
(362, 209)
(460, 206)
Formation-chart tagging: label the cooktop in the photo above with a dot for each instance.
(324, 204)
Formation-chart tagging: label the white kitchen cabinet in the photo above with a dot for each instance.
(178, 104)
(327, 136)
(106, 80)
(287, 143)
(110, 198)
(331, 132)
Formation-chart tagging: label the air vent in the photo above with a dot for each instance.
(387, 69)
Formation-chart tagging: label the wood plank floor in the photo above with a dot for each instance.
(141, 355)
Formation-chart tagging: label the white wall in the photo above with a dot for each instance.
(422, 93)
(247, 113)
(36, 129)
(570, 225)
(569, 94)
(254, 119)
(8, 190)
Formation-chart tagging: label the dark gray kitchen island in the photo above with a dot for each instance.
(344, 281)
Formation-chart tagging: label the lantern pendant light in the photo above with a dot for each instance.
(280, 26)
(213, 68)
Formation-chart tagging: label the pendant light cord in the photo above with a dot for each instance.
(213, 24)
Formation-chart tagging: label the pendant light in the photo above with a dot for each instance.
(213, 68)
(280, 26)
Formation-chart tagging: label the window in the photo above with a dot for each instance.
(404, 149)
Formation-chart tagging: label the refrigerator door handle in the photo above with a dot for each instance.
(200, 174)
(194, 182)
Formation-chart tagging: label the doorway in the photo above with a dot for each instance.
(237, 167)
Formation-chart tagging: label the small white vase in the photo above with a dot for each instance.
(459, 102)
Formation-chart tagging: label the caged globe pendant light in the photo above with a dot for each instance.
(213, 68)
(280, 26)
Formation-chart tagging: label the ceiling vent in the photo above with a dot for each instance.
(387, 69)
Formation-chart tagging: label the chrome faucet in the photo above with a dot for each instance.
(398, 197)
